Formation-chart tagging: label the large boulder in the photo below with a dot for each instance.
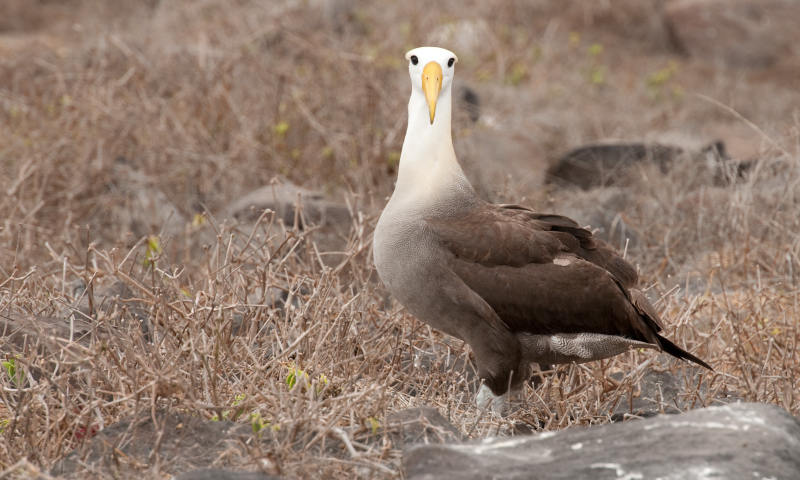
(191, 447)
(131, 445)
(735, 33)
(611, 163)
(739, 441)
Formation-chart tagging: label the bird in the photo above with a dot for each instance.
(519, 287)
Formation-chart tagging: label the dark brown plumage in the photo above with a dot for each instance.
(507, 254)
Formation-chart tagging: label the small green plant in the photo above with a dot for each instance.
(16, 375)
(3, 424)
(658, 81)
(597, 75)
(296, 375)
(259, 424)
(281, 128)
(322, 382)
(198, 220)
(517, 74)
(597, 71)
(374, 423)
(595, 50)
(226, 414)
(153, 250)
(663, 75)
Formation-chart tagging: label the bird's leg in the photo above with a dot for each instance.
(486, 399)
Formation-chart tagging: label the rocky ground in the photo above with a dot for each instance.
(188, 192)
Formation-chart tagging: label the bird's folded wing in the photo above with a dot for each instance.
(493, 238)
(589, 248)
(536, 279)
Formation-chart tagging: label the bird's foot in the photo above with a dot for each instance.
(486, 399)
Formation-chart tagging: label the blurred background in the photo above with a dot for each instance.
(133, 117)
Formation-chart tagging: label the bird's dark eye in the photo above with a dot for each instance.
(414, 60)
(451, 62)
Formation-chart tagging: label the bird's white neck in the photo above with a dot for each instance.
(428, 165)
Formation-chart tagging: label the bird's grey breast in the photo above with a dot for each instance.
(402, 247)
(411, 262)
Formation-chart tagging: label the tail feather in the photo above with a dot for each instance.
(678, 352)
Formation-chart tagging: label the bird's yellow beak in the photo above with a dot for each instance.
(432, 85)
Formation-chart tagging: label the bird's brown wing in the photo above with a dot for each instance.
(590, 249)
(544, 274)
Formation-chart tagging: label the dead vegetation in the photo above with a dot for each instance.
(253, 322)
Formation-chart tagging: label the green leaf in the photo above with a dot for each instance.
(296, 375)
(281, 128)
(374, 423)
(153, 250)
(595, 50)
(16, 375)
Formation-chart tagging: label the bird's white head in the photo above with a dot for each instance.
(431, 70)
(428, 166)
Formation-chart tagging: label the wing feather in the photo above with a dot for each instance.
(544, 274)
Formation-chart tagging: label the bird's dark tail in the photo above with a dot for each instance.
(678, 352)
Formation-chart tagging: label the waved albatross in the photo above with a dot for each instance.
(518, 286)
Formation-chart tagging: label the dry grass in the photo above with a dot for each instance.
(210, 99)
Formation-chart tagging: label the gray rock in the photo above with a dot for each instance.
(299, 208)
(218, 474)
(664, 392)
(137, 206)
(605, 164)
(500, 161)
(283, 197)
(602, 210)
(400, 429)
(740, 441)
(188, 442)
(112, 295)
(735, 33)
(18, 329)
(421, 425)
